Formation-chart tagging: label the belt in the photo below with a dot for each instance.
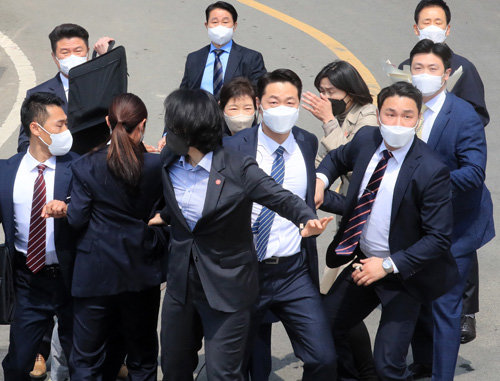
(277, 260)
(48, 271)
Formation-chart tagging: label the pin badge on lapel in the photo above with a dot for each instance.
(218, 181)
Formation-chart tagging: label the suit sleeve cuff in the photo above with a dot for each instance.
(396, 271)
(323, 178)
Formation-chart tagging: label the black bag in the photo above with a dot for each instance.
(7, 294)
(92, 87)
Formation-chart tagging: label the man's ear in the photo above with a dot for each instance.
(415, 29)
(257, 103)
(448, 30)
(234, 26)
(35, 128)
(447, 74)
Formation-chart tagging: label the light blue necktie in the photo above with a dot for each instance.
(263, 224)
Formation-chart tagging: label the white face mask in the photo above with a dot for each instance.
(238, 122)
(427, 84)
(61, 142)
(396, 136)
(68, 63)
(220, 35)
(433, 33)
(280, 119)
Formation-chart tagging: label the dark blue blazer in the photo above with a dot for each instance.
(421, 215)
(63, 235)
(469, 87)
(245, 142)
(243, 62)
(53, 86)
(458, 138)
(221, 243)
(116, 251)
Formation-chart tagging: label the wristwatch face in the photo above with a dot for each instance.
(387, 265)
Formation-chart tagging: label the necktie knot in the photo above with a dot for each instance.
(387, 154)
(41, 168)
(218, 52)
(279, 151)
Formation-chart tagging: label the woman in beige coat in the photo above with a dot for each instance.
(343, 106)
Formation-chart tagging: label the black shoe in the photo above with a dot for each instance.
(468, 329)
(419, 371)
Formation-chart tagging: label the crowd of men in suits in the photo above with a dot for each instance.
(242, 225)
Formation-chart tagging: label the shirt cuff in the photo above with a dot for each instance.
(323, 178)
(395, 269)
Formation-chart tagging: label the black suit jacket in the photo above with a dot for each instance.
(245, 142)
(421, 216)
(221, 243)
(63, 235)
(53, 86)
(242, 62)
(116, 250)
(469, 87)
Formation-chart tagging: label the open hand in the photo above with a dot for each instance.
(150, 148)
(315, 227)
(320, 107)
(161, 143)
(55, 209)
(370, 271)
(102, 44)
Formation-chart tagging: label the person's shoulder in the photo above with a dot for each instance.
(11, 160)
(460, 107)
(47, 86)
(152, 159)
(368, 109)
(245, 50)
(307, 135)
(431, 161)
(199, 52)
(230, 141)
(461, 61)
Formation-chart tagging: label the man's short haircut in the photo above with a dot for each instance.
(400, 89)
(278, 75)
(433, 3)
(439, 49)
(34, 109)
(222, 5)
(67, 31)
(194, 115)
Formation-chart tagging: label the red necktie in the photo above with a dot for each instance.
(354, 227)
(35, 258)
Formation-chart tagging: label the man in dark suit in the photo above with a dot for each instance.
(396, 222)
(289, 264)
(42, 249)
(212, 273)
(70, 47)
(432, 21)
(453, 130)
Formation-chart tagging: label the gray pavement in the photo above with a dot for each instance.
(159, 34)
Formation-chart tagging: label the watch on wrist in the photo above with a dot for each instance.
(387, 265)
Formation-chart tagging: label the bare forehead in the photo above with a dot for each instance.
(398, 103)
(219, 13)
(432, 12)
(65, 43)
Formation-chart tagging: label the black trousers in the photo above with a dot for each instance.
(471, 294)
(184, 325)
(95, 321)
(38, 298)
(347, 305)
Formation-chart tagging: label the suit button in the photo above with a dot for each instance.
(196, 259)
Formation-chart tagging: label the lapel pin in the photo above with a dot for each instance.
(218, 181)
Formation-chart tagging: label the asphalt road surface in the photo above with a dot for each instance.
(158, 35)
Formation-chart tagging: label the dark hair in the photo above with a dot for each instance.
(401, 89)
(125, 158)
(345, 77)
(34, 109)
(67, 31)
(439, 49)
(222, 5)
(432, 3)
(194, 115)
(237, 87)
(278, 75)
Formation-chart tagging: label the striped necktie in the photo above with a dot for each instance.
(35, 257)
(262, 226)
(354, 227)
(218, 73)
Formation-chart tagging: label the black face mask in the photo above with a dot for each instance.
(338, 106)
(176, 144)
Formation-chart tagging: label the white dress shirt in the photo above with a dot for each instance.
(433, 108)
(65, 83)
(285, 238)
(374, 240)
(23, 199)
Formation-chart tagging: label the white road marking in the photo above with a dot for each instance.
(27, 80)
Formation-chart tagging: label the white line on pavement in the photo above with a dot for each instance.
(27, 80)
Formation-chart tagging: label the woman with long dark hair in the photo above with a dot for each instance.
(117, 276)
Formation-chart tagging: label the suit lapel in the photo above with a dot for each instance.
(200, 67)
(7, 189)
(405, 175)
(440, 122)
(233, 62)
(58, 89)
(309, 158)
(215, 184)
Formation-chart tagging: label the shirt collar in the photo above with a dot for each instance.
(226, 48)
(32, 163)
(65, 81)
(205, 162)
(398, 154)
(437, 102)
(271, 146)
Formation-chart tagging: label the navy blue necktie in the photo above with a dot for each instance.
(218, 73)
(263, 224)
(354, 227)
